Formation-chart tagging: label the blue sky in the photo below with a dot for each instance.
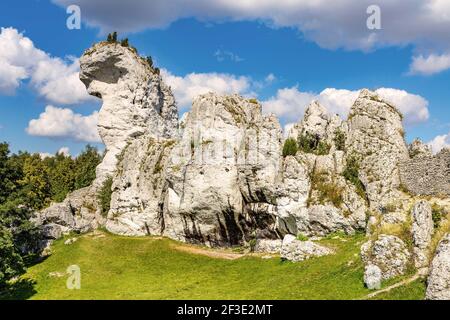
(273, 58)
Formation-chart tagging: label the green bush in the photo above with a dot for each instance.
(328, 190)
(290, 147)
(438, 213)
(309, 143)
(339, 140)
(104, 196)
(351, 174)
(124, 43)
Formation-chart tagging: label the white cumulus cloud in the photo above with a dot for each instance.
(53, 78)
(430, 65)
(290, 103)
(64, 123)
(188, 87)
(440, 142)
(424, 24)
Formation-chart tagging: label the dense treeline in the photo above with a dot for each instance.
(29, 183)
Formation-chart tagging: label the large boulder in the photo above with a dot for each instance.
(422, 231)
(76, 213)
(439, 279)
(389, 253)
(296, 250)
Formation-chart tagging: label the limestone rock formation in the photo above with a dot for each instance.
(376, 137)
(389, 253)
(439, 278)
(136, 101)
(219, 178)
(222, 173)
(75, 213)
(422, 232)
(419, 149)
(296, 250)
(139, 188)
(372, 277)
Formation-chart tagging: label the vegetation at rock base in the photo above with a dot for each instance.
(310, 143)
(104, 196)
(28, 183)
(290, 147)
(116, 267)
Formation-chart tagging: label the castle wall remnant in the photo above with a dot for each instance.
(427, 175)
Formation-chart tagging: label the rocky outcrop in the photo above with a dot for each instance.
(319, 124)
(376, 137)
(221, 175)
(136, 102)
(76, 213)
(422, 231)
(439, 279)
(296, 250)
(419, 149)
(389, 253)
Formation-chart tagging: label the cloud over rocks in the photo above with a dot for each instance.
(188, 87)
(290, 103)
(53, 78)
(440, 142)
(423, 24)
(63, 123)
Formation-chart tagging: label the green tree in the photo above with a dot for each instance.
(62, 176)
(290, 147)
(85, 165)
(114, 36)
(35, 184)
(11, 263)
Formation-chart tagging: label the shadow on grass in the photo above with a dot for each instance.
(21, 289)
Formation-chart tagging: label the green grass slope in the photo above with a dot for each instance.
(114, 267)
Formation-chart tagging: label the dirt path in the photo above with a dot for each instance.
(394, 286)
(218, 254)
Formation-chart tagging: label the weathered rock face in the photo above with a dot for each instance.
(140, 187)
(221, 175)
(439, 278)
(76, 213)
(376, 136)
(136, 101)
(318, 123)
(427, 175)
(422, 232)
(389, 253)
(295, 250)
(292, 196)
(419, 149)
